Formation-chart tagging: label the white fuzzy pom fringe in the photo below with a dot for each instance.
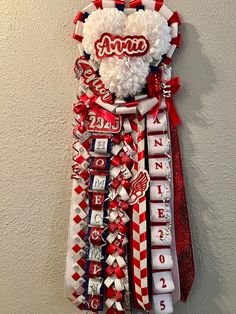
(108, 20)
(127, 76)
(155, 28)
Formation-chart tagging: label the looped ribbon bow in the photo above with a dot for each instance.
(114, 307)
(159, 89)
(86, 103)
(120, 225)
(113, 310)
(116, 247)
(122, 204)
(115, 297)
(129, 147)
(118, 271)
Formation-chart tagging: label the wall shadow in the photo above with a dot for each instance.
(195, 86)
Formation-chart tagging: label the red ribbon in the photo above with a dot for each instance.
(124, 205)
(131, 118)
(123, 158)
(113, 248)
(175, 18)
(117, 245)
(127, 138)
(118, 271)
(120, 226)
(127, 161)
(158, 89)
(120, 181)
(85, 103)
(113, 204)
(121, 2)
(111, 293)
(79, 127)
(131, 104)
(79, 17)
(182, 226)
(113, 310)
(98, 4)
(135, 3)
(116, 161)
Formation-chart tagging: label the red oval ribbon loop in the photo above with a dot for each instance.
(116, 161)
(124, 205)
(128, 139)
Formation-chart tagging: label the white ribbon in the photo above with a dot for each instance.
(80, 300)
(119, 259)
(112, 302)
(145, 104)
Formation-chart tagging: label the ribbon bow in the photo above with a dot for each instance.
(159, 89)
(120, 225)
(113, 310)
(117, 270)
(116, 247)
(86, 103)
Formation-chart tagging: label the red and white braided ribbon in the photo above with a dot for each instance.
(139, 228)
(75, 262)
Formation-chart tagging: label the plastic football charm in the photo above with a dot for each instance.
(129, 244)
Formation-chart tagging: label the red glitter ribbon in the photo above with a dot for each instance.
(182, 226)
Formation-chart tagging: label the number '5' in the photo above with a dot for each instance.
(162, 305)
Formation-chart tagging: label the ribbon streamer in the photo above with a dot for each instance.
(166, 90)
(89, 103)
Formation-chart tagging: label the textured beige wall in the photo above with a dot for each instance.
(37, 90)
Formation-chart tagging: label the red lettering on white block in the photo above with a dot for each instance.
(162, 259)
(159, 191)
(164, 285)
(162, 305)
(161, 213)
(156, 121)
(159, 165)
(158, 142)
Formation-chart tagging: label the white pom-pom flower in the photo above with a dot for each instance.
(108, 20)
(154, 28)
(124, 76)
